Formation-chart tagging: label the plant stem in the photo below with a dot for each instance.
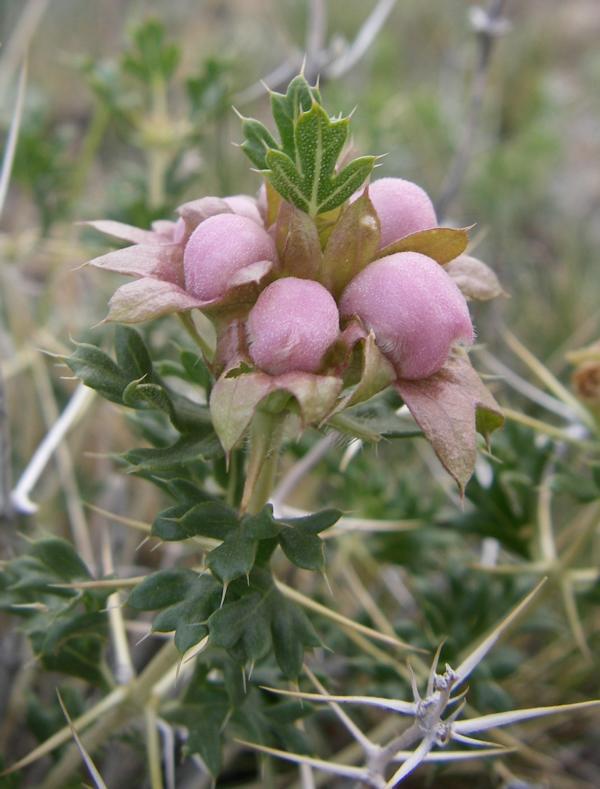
(153, 747)
(265, 438)
(188, 324)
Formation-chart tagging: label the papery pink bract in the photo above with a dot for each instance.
(218, 248)
(414, 309)
(291, 326)
(403, 208)
(244, 205)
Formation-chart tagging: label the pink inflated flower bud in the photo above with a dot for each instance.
(291, 326)
(218, 248)
(402, 207)
(415, 310)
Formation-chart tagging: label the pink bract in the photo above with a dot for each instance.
(402, 207)
(291, 326)
(218, 248)
(415, 310)
(244, 205)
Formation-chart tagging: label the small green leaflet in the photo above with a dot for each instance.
(302, 166)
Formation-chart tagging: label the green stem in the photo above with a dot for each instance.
(189, 325)
(265, 438)
(232, 480)
(153, 748)
(158, 163)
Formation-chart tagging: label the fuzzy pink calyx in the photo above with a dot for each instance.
(414, 308)
(218, 248)
(292, 324)
(402, 207)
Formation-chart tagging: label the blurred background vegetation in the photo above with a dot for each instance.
(128, 114)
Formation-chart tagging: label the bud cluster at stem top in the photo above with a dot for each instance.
(316, 274)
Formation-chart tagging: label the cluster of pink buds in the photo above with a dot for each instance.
(313, 276)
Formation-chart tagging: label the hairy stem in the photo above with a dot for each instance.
(265, 438)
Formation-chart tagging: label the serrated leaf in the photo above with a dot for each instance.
(302, 548)
(234, 558)
(291, 632)
(243, 626)
(297, 243)
(98, 371)
(440, 243)
(163, 588)
(288, 107)
(207, 519)
(450, 407)
(310, 182)
(187, 449)
(261, 526)
(258, 141)
(188, 618)
(302, 166)
(352, 245)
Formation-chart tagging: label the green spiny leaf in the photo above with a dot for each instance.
(287, 108)
(132, 355)
(233, 558)
(302, 548)
(261, 526)
(207, 519)
(258, 141)
(162, 589)
(302, 166)
(98, 371)
(243, 626)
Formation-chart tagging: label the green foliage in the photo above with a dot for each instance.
(257, 617)
(505, 505)
(301, 167)
(209, 91)
(133, 381)
(220, 704)
(185, 600)
(66, 627)
(150, 56)
(42, 165)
